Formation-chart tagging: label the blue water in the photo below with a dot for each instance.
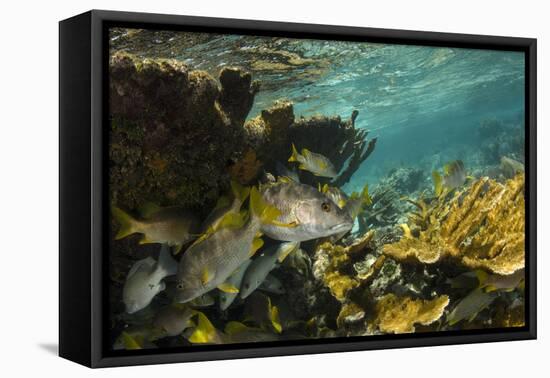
(419, 101)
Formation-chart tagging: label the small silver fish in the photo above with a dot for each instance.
(226, 299)
(144, 280)
(174, 226)
(263, 264)
(454, 176)
(173, 319)
(315, 163)
(306, 213)
(471, 305)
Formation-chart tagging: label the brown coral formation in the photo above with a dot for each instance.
(274, 131)
(400, 314)
(172, 130)
(481, 227)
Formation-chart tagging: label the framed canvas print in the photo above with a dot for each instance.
(234, 188)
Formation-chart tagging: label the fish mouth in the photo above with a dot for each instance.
(340, 227)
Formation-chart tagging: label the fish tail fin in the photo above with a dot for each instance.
(438, 183)
(295, 155)
(128, 225)
(260, 209)
(204, 331)
(234, 327)
(275, 318)
(239, 191)
(166, 263)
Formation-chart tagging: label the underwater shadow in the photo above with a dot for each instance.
(52, 348)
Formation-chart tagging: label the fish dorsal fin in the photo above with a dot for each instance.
(148, 209)
(234, 327)
(204, 331)
(229, 220)
(295, 155)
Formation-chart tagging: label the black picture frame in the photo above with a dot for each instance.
(83, 199)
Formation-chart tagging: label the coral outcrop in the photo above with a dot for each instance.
(173, 129)
(482, 226)
(400, 314)
(273, 132)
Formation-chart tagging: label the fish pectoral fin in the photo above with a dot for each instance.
(205, 276)
(286, 225)
(302, 167)
(228, 288)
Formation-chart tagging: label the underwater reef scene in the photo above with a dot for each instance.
(267, 189)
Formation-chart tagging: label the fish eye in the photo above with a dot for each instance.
(325, 206)
(180, 286)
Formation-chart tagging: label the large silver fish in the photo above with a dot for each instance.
(264, 263)
(173, 319)
(213, 258)
(144, 280)
(306, 213)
